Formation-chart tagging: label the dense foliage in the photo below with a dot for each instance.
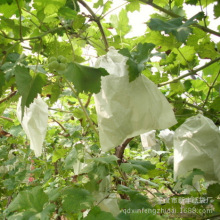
(43, 50)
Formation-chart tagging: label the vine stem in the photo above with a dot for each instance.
(30, 38)
(6, 118)
(97, 20)
(83, 108)
(172, 14)
(210, 88)
(8, 97)
(20, 22)
(192, 72)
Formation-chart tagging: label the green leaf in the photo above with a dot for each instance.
(67, 13)
(141, 166)
(133, 6)
(137, 201)
(57, 154)
(2, 82)
(53, 194)
(76, 199)
(27, 86)
(188, 180)
(127, 167)
(137, 58)
(184, 54)
(31, 203)
(84, 78)
(164, 42)
(213, 190)
(143, 52)
(16, 130)
(212, 70)
(98, 3)
(216, 104)
(217, 10)
(121, 23)
(101, 171)
(10, 184)
(207, 50)
(111, 159)
(12, 60)
(49, 7)
(79, 22)
(146, 164)
(192, 2)
(70, 159)
(8, 10)
(107, 6)
(96, 214)
(176, 88)
(73, 5)
(175, 26)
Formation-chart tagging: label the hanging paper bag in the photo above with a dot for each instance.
(148, 139)
(197, 145)
(167, 137)
(34, 123)
(127, 109)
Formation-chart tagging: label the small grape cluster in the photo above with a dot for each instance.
(57, 64)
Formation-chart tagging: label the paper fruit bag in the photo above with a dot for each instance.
(34, 123)
(127, 109)
(197, 145)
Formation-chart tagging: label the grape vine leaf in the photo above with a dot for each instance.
(137, 58)
(70, 159)
(217, 11)
(121, 23)
(12, 60)
(76, 199)
(175, 26)
(49, 7)
(97, 214)
(133, 6)
(84, 78)
(187, 51)
(189, 178)
(192, 2)
(67, 13)
(111, 159)
(98, 3)
(32, 202)
(213, 190)
(106, 6)
(137, 201)
(72, 4)
(3, 2)
(8, 10)
(57, 154)
(126, 167)
(27, 85)
(141, 166)
(216, 104)
(2, 82)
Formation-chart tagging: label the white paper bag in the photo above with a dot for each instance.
(167, 137)
(128, 109)
(197, 145)
(148, 139)
(34, 123)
